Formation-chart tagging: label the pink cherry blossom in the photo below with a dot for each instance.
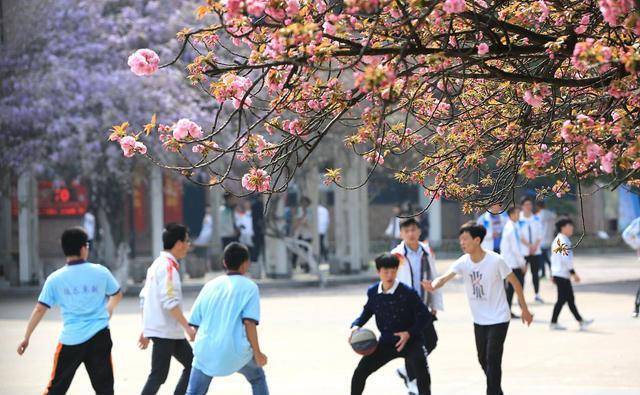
(483, 48)
(130, 146)
(593, 152)
(607, 162)
(255, 7)
(584, 23)
(545, 11)
(256, 180)
(186, 128)
(198, 148)
(454, 6)
(143, 62)
(614, 10)
(532, 99)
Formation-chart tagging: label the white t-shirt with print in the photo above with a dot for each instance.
(484, 284)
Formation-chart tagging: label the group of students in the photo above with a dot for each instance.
(222, 324)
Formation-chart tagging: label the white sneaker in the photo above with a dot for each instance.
(557, 327)
(539, 299)
(584, 324)
(402, 373)
(413, 387)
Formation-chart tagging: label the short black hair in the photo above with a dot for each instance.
(541, 204)
(561, 223)
(235, 254)
(511, 209)
(387, 261)
(474, 229)
(405, 223)
(525, 199)
(72, 241)
(173, 233)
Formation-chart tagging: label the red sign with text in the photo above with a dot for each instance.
(58, 200)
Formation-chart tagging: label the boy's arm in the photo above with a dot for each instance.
(36, 315)
(439, 282)
(364, 317)
(526, 315)
(252, 335)
(113, 302)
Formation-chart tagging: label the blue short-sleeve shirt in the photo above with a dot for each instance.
(81, 290)
(221, 347)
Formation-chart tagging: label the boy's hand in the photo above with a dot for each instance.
(143, 342)
(260, 358)
(527, 317)
(576, 278)
(353, 330)
(404, 338)
(428, 285)
(191, 333)
(23, 346)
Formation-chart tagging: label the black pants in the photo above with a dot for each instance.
(228, 240)
(490, 344)
(565, 295)
(545, 261)
(324, 251)
(534, 264)
(414, 353)
(637, 306)
(510, 290)
(163, 350)
(95, 353)
(430, 337)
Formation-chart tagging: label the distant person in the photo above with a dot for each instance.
(89, 225)
(511, 253)
(400, 317)
(530, 240)
(87, 294)
(548, 221)
(206, 231)
(483, 273)
(163, 320)
(302, 229)
(259, 227)
(244, 224)
(228, 230)
(493, 221)
(562, 271)
(393, 228)
(424, 226)
(323, 230)
(631, 236)
(226, 314)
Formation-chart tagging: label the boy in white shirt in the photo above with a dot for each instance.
(162, 317)
(510, 251)
(562, 272)
(483, 273)
(493, 221)
(531, 240)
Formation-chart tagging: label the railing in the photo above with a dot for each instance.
(304, 250)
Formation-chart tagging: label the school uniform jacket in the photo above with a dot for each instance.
(486, 221)
(405, 274)
(510, 246)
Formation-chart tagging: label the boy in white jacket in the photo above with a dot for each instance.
(562, 272)
(417, 265)
(631, 236)
(511, 252)
(162, 317)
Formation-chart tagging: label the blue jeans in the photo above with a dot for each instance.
(199, 382)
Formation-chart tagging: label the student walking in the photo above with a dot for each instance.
(547, 221)
(562, 272)
(510, 251)
(493, 221)
(226, 314)
(400, 317)
(87, 294)
(417, 263)
(484, 273)
(631, 236)
(531, 239)
(162, 318)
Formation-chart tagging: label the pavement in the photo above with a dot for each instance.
(304, 333)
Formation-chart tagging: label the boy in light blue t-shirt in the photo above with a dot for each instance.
(226, 314)
(87, 294)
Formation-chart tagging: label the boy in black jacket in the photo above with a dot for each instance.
(401, 317)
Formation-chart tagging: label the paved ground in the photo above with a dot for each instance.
(304, 334)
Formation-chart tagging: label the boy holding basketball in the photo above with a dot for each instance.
(87, 294)
(226, 314)
(401, 317)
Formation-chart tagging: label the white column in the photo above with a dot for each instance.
(312, 180)
(157, 210)
(353, 218)
(27, 217)
(276, 262)
(363, 220)
(435, 218)
(215, 201)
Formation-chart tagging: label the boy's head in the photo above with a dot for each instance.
(514, 213)
(175, 238)
(75, 243)
(387, 266)
(470, 236)
(236, 257)
(526, 203)
(540, 205)
(565, 226)
(410, 230)
(495, 208)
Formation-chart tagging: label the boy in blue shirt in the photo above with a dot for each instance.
(87, 294)
(226, 314)
(401, 318)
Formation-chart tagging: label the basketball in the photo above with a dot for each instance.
(364, 341)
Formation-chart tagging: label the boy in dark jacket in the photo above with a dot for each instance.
(400, 317)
